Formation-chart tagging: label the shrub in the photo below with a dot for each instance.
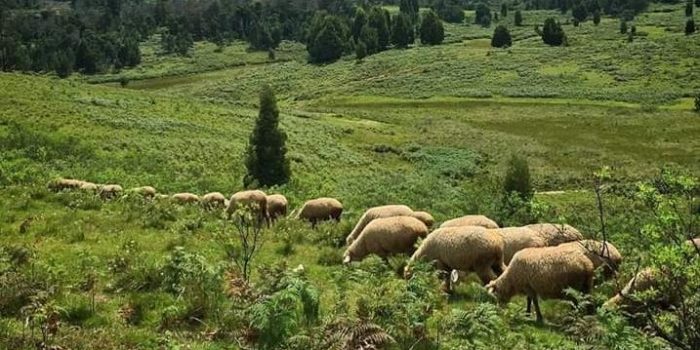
(360, 50)
(482, 15)
(690, 27)
(517, 179)
(518, 18)
(689, 8)
(623, 27)
(501, 37)
(402, 31)
(431, 30)
(552, 33)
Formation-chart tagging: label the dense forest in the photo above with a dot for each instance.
(93, 36)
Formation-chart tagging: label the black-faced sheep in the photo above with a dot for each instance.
(213, 200)
(470, 220)
(320, 209)
(516, 239)
(385, 237)
(464, 248)
(253, 200)
(383, 211)
(556, 234)
(276, 206)
(185, 198)
(110, 191)
(543, 272)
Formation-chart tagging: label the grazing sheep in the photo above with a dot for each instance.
(516, 239)
(145, 191)
(385, 237)
(89, 187)
(465, 248)
(644, 280)
(110, 191)
(543, 272)
(254, 200)
(320, 209)
(556, 234)
(424, 216)
(213, 200)
(64, 184)
(276, 206)
(383, 211)
(185, 198)
(601, 254)
(470, 220)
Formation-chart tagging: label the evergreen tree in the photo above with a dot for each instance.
(327, 38)
(596, 17)
(369, 37)
(409, 8)
(358, 23)
(517, 180)
(552, 33)
(504, 10)
(518, 18)
(623, 27)
(360, 50)
(402, 31)
(431, 30)
(482, 15)
(449, 11)
(265, 157)
(579, 12)
(378, 21)
(689, 8)
(697, 3)
(689, 26)
(501, 37)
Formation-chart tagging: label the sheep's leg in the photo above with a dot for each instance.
(536, 302)
(486, 274)
(529, 306)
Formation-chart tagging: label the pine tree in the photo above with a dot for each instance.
(369, 37)
(579, 12)
(482, 15)
(690, 27)
(360, 50)
(265, 157)
(410, 8)
(552, 33)
(378, 21)
(697, 3)
(431, 30)
(596, 17)
(359, 22)
(402, 31)
(623, 27)
(689, 8)
(504, 10)
(518, 18)
(501, 37)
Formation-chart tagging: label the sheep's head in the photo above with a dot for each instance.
(500, 292)
(425, 217)
(408, 271)
(347, 257)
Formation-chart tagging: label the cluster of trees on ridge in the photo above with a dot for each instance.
(93, 36)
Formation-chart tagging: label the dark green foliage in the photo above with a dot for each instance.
(579, 12)
(264, 37)
(328, 37)
(378, 21)
(266, 155)
(360, 50)
(501, 37)
(697, 103)
(358, 23)
(402, 33)
(369, 37)
(518, 18)
(689, 8)
(689, 26)
(517, 179)
(596, 17)
(177, 39)
(449, 11)
(410, 8)
(697, 3)
(552, 33)
(504, 10)
(431, 30)
(623, 27)
(482, 15)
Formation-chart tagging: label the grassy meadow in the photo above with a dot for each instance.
(430, 127)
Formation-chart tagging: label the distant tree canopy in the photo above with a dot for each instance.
(501, 37)
(579, 12)
(402, 33)
(504, 10)
(379, 20)
(482, 15)
(552, 33)
(609, 7)
(327, 39)
(431, 30)
(518, 18)
(410, 8)
(449, 10)
(690, 26)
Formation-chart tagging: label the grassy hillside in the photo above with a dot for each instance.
(431, 127)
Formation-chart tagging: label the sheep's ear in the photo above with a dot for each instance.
(346, 260)
(454, 276)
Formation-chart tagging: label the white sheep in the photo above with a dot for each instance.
(370, 214)
(556, 234)
(470, 220)
(385, 237)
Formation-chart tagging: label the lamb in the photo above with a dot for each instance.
(601, 254)
(424, 216)
(516, 239)
(185, 198)
(64, 184)
(254, 200)
(556, 234)
(145, 191)
(213, 200)
(543, 272)
(385, 237)
(465, 248)
(471, 220)
(110, 191)
(276, 206)
(383, 211)
(319, 209)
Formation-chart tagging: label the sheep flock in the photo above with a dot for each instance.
(538, 261)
